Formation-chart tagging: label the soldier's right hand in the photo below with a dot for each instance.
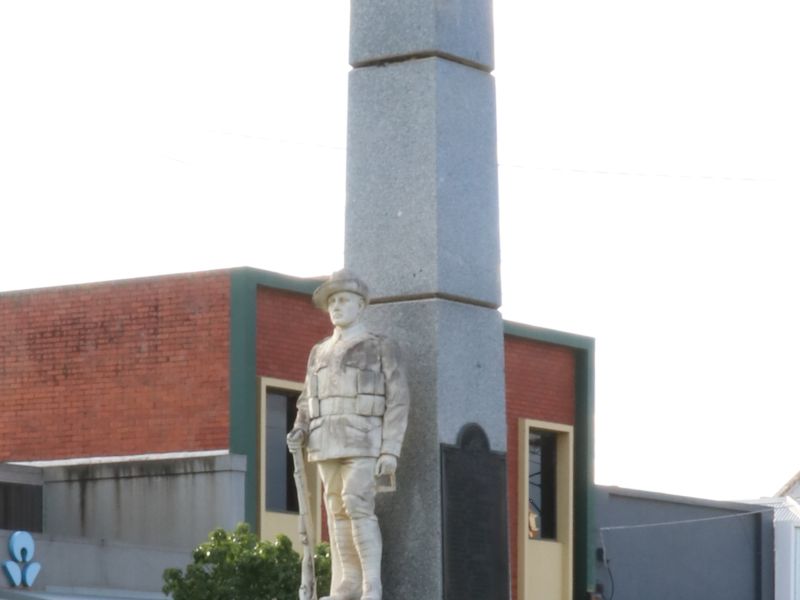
(295, 439)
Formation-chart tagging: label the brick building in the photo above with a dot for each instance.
(209, 364)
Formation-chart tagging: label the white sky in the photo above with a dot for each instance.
(648, 155)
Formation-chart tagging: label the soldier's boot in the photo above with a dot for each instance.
(349, 587)
(367, 535)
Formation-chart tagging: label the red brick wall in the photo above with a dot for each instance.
(540, 384)
(127, 367)
(288, 326)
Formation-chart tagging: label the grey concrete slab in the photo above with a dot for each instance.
(386, 29)
(422, 214)
(455, 369)
(165, 503)
(454, 357)
(471, 384)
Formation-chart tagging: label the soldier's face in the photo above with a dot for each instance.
(344, 308)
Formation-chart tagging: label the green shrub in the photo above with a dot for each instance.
(238, 566)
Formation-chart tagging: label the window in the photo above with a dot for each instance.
(277, 499)
(20, 506)
(280, 493)
(542, 463)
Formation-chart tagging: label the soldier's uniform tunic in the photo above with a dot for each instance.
(354, 408)
(355, 401)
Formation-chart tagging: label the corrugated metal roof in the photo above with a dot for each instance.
(785, 508)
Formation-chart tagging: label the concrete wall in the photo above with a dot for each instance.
(73, 563)
(171, 503)
(664, 547)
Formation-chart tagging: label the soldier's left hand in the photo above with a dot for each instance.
(386, 465)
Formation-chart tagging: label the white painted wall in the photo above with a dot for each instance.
(787, 549)
(796, 564)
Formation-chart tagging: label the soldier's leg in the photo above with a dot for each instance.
(346, 566)
(358, 494)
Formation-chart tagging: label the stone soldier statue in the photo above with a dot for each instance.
(352, 417)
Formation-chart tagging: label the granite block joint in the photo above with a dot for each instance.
(388, 60)
(434, 296)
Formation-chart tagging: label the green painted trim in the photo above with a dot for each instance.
(244, 392)
(548, 336)
(584, 559)
(301, 285)
(584, 576)
(243, 436)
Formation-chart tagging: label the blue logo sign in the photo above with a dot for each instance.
(21, 570)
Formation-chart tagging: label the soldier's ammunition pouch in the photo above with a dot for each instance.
(351, 391)
(364, 405)
(351, 381)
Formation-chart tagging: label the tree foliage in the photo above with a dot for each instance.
(238, 566)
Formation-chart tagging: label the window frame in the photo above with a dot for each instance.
(272, 522)
(535, 581)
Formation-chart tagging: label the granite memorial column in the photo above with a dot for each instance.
(422, 231)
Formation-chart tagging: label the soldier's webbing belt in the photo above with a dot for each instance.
(364, 404)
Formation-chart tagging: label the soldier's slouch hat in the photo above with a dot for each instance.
(341, 281)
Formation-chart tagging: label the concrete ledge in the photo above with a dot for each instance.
(146, 468)
(21, 474)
